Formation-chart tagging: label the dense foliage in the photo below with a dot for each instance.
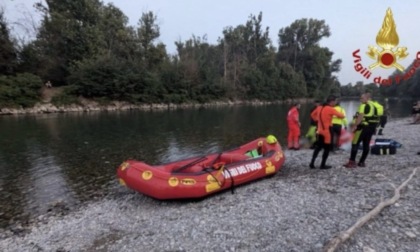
(89, 48)
(19, 90)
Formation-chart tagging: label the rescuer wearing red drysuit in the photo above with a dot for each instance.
(293, 125)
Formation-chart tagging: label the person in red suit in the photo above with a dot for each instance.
(293, 125)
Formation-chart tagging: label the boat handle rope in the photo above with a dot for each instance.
(214, 160)
(222, 167)
(212, 166)
(232, 184)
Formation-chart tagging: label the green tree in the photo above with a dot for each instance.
(299, 46)
(257, 41)
(91, 48)
(199, 63)
(19, 90)
(106, 77)
(243, 47)
(68, 33)
(8, 59)
(147, 33)
(118, 39)
(127, 66)
(293, 84)
(234, 57)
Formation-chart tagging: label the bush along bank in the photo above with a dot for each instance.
(84, 105)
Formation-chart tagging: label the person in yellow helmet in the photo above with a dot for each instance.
(271, 139)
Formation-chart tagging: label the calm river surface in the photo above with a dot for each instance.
(72, 158)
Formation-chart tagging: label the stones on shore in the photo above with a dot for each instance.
(410, 234)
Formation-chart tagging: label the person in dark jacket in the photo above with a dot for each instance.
(363, 128)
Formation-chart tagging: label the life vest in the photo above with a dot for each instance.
(379, 109)
(339, 121)
(370, 118)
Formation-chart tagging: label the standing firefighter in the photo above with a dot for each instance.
(293, 125)
(325, 115)
(363, 128)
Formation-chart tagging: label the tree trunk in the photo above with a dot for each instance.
(225, 54)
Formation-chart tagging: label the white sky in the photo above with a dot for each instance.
(354, 24)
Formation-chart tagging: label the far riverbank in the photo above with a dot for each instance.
(89, 106)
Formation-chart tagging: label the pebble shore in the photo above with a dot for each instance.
(298, 209)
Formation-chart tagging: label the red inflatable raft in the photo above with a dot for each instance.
(201, 176)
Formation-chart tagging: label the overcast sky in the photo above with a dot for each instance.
(354, 24)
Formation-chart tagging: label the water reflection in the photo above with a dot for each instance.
(45, 181)
(350, 108)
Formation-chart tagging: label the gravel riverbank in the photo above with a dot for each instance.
(298, 209)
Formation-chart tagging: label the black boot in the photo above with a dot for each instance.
(325, 157)
(314, 155)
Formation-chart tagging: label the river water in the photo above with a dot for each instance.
(70, 159)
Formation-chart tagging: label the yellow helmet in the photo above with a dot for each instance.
(271, 139)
